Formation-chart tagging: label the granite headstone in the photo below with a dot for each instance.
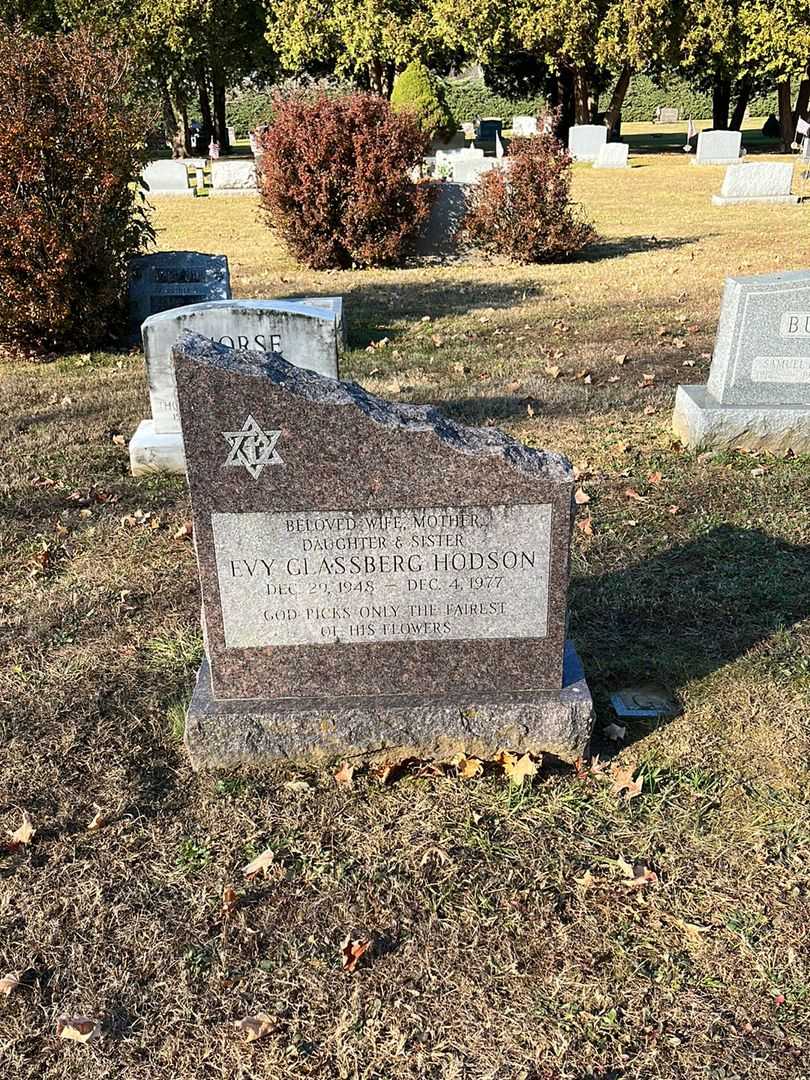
(375, 578)
(172, 279)
(756, 182)
(308, 333)
(169, 177)
(612, 155)
(758, 392)
(585, 140)
(524, 126)
(718, 147)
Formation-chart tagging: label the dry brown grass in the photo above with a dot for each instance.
(490, 960)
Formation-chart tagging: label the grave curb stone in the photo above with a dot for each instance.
(462, 687)
(151, 451)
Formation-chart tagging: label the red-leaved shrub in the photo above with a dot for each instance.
(71, 145)
(335, 179)
(525, 211)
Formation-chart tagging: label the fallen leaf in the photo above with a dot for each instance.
(581, 497)
(261, 864)
(649, 410)
(24, 835)
(382, 772)
(10, 982)
(621, 358)
(83, 1029)
(553, 372)
(631, 493)
(119, 440)
(352, 950)
(520, 769)
(585, 525)
(615, 732)
(529, 409)
(623, 781)
(345, 774)
(613, 378)
(654, 477)
(647, 379)
(184, 532)
(255, 1027)
(230, 901)
(586, 881)
(638, 875)
(98, 822)
(468, 768)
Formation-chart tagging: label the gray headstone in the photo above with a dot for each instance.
(766, 181)
(172, 279)
(168, 178)
(585, 140)
(718, 147)
(667, 115)
(307, 333)
(762, 349)
(612, 156)
(470, 170)
(376, 579)
(524, 126)
(233, 176)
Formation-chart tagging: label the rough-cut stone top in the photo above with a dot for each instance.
(552, 467)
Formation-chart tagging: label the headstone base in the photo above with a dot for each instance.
(223, 734)
(733, 200)
(150, 452)
(715, 161)
(699, 420)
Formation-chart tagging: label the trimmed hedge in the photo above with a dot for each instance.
(644, 96)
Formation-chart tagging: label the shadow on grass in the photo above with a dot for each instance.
(683, 614)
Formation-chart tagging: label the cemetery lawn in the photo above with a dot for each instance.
(507, 940)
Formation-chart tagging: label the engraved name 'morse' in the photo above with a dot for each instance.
(795, 324)
(244, 341)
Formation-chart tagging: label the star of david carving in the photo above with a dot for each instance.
(252, 447)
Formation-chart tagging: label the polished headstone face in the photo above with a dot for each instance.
(612, 156)
(757, 180)
(173, 279)
(352, 547)
(584, 141)
(307, 333)
(718, 146)
(762, 350)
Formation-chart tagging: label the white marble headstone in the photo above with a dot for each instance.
(718, 147)
(584, 141)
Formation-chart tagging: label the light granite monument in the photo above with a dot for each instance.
(756, 182)
(718, 148)
(585, 141)
(612, 155)
(758, 393)
(376, 579)
(170, 177)
(524, 126)
(309, 333)
(233, 176)
(666, 114)
(173, 279)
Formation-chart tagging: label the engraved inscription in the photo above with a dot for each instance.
(795, 324)
(780, 369)
(368, 576)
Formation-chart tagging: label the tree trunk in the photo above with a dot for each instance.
(614, 109)
(375, 75)
(206, 120)
(562, 98)
(721, 99)
(744, 88)
(220, 118)
(172, 125)
(802, 100)
(582, 109)
(786, 114)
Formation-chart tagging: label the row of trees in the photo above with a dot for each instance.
(192, 51)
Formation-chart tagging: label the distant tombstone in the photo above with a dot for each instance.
(447, 160)
(168, 178)
(757, 182)
(173, 279)
(470, 170)
(758, 393)
(457, 141)
(612, 156)
(718, 148)
(231, 136)
(585, 140)
(308, 333)
(524, 126)
(344, 546)
(468, 127)
(233, 176)
(438, 238)
(487, 128)
(665, 114)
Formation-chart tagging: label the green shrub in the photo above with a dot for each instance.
(417, 91)
(469, 98)
(526, 212)
(644, 96)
